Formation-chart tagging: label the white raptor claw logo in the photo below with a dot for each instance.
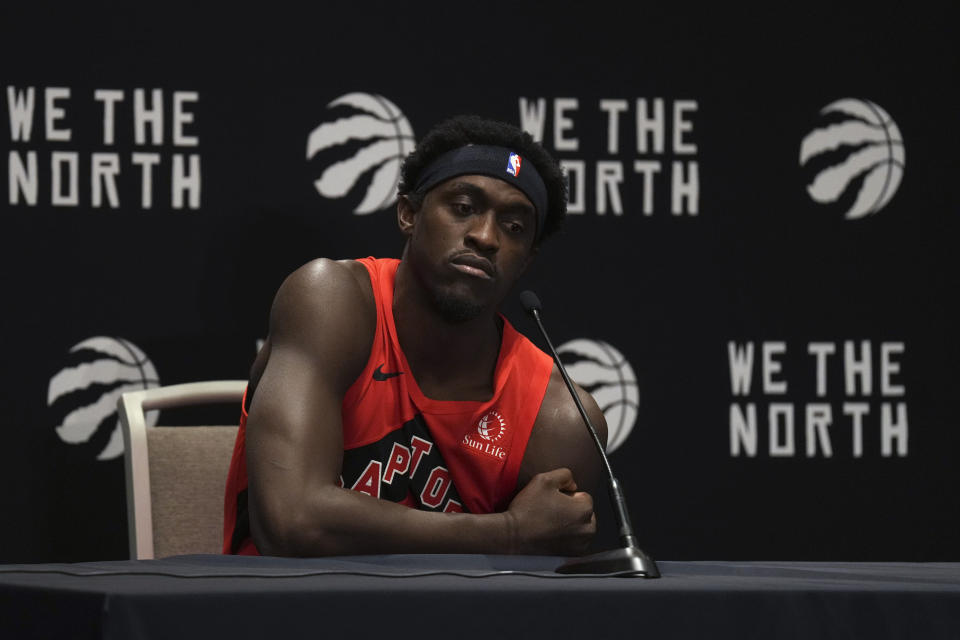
(874, 151)
(387, 137)
(116, 366)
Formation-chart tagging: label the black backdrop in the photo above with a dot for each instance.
(725, 240)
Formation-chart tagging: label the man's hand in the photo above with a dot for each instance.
(549, 516)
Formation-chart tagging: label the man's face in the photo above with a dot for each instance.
(469, 242)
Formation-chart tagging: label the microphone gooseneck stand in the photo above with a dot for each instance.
(629, 559)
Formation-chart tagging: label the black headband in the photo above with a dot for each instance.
(487, 160)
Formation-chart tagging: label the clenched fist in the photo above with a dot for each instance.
(550, 517)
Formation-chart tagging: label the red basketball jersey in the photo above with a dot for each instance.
(402, 446)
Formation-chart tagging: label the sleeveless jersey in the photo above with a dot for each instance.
(402, 446)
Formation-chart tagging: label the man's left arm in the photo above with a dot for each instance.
(560, 439)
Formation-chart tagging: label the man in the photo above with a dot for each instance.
(386, 385)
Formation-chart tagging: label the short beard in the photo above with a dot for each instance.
(456, 310)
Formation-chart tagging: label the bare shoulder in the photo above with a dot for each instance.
(325, 309)
(559, 414)
(324, 285)
(359, 273)
(559, 437)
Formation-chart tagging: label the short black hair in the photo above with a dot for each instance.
(470, 129)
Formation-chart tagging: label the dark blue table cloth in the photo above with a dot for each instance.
(468, 596)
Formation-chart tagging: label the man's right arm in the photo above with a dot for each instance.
(321, 329)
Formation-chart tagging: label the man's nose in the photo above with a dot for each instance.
(483, 232)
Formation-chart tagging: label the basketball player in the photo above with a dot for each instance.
(392, 409)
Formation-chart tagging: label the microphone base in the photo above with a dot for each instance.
(625, 561)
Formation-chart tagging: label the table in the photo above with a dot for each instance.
(468, 596)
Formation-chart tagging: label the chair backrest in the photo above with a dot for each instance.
(175, 476)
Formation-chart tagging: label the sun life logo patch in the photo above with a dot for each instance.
(486, 437)
(491, 426)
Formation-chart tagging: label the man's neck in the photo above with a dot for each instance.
(450, 361)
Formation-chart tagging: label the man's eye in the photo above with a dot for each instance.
(515, 227)
(463, 208)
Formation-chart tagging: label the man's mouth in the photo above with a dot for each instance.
(473, 265)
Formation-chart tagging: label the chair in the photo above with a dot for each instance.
(175, 476)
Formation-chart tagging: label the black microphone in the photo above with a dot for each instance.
(629, 560)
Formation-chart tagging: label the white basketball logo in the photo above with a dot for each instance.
(860, 142)
(369, 143)
(83, 395)
(605, 374)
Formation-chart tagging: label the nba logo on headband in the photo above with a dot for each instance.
(513, 165)
(487, 160)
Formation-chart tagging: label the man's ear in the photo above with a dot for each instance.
(406, 215)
